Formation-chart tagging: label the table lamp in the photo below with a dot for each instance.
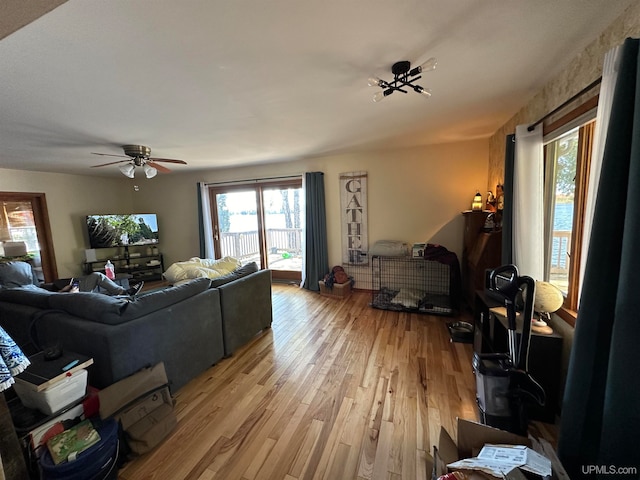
(476, 205)
(548, 299)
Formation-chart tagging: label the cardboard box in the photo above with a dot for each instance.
(472, 437)
(339, 290)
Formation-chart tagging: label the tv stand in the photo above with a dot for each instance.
(134, 262)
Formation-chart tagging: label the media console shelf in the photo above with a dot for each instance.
(139, 266)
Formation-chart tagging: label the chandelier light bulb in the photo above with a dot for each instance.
(374, 81)
(378, 97)
(425, 92)
(428, 65)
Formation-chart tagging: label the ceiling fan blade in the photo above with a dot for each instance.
(110, 163)
(182, 162)
(110, 155)
(158, 167)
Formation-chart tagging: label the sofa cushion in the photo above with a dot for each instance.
(15, 274)
(91, 306)
(243, 271)
(27, 295)
(159, 299)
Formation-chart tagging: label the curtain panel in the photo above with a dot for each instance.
(507, 212)
(605, 100)
(528, 195)
(205, 231)
(316, 253)
(601, 406)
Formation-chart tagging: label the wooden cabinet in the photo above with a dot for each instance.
(482, 250)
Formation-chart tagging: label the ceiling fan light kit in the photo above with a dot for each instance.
(139, 156)
(403, 79)
(149, 171)
(128, 170)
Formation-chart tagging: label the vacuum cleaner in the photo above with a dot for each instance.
(504, 385)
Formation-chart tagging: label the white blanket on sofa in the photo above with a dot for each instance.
(201, 267)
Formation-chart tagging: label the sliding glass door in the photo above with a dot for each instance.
(262, 223)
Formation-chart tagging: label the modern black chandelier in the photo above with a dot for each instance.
(404, 77)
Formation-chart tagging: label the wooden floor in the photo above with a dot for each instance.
(335, 390)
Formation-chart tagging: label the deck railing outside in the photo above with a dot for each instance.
(559, 248)
(283, 242)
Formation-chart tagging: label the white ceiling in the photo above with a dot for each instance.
(220, 83)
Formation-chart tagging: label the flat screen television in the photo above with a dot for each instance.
(107, 231)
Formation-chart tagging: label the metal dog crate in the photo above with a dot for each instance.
(411, 284)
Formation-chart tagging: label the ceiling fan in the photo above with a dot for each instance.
(139, 156)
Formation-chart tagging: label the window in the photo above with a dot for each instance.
(24, 218)
(567, 163)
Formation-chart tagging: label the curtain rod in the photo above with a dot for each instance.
(581, 92)
(252, 180)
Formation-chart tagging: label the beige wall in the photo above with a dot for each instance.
(415, 195)
(579, 73)
(69, 199)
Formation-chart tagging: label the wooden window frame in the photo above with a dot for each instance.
(568, 312)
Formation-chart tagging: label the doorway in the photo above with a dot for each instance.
(25, 233)
(261, 222)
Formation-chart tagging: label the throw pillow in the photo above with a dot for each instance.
(15, 274)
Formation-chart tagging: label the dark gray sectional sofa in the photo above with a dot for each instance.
(189, 327)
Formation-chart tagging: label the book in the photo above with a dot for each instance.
(66, 445)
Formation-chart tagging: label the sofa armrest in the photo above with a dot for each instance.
(246, 309)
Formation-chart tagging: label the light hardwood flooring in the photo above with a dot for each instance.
(335, 390)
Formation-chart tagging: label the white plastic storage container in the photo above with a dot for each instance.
(55, 397)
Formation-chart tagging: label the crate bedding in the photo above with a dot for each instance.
(412, 299)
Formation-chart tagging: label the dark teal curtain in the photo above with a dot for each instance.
(201, 233)
(316, 264)
(507, 190)
(600, 421)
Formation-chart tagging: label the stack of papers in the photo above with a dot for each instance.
(499, 460)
